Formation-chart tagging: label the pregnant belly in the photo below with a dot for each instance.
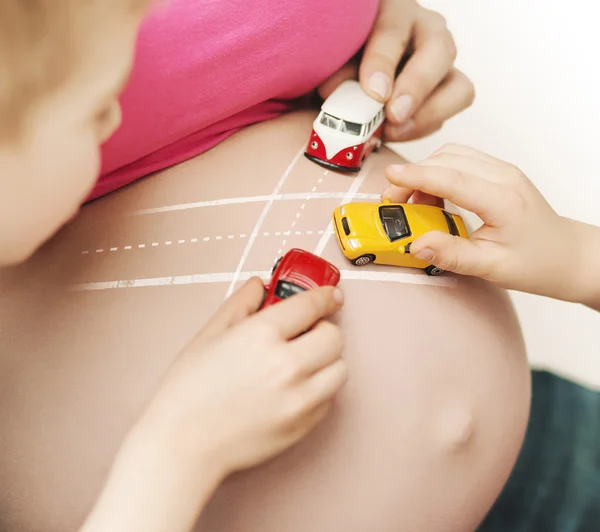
(423, 437)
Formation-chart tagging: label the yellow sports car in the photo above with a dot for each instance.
(383, 232)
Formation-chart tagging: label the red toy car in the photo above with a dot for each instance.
(297, 271)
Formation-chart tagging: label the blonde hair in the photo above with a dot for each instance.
(39, 43)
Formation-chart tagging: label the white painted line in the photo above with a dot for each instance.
(242, 235)
(154, 244)
(206, 239)
(141, 246)
(181, 241)
(114, 249)
(194, 240)
(168, 243)
(261, 220)
(253, 199)
(99, 251)
(85, 252)
(127, 247)
(227, 277)
(350, 195)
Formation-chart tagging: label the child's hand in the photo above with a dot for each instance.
(250, 386)
(246, 388)
(429, 90)
(523, 243)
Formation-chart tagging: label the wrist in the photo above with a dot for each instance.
(153, 485)
(584, 282)
(174, 440)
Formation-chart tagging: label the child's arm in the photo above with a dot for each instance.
(155, 485)
(249, 386)
(523, 244)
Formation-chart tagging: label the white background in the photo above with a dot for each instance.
(536, 68)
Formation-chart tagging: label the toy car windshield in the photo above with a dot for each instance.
(285, 289)
(394, 222)
(351, 127)
(330, 121)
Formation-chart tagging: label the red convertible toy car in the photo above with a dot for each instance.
(297, 271)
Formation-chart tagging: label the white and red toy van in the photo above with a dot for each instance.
(348, 128)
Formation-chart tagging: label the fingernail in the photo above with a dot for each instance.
(396, 169)
(338, 296)
(380, 84)
(401, 107)
(424, 254)
(398, 132)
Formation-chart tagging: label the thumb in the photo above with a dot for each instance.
(451, 253)
(386, 51)
(241, 304)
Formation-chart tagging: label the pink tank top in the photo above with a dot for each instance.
(206, 68)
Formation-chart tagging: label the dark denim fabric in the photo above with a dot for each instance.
(555, 486)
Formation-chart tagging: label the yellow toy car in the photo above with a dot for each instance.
(383, 232)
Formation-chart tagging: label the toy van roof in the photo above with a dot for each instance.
(349, 102)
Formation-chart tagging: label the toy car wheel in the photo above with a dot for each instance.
(363, 260)
(434, 271)
(378, 145)
(277, 262)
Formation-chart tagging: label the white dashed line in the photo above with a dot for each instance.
(261, 219)
(208, 239)
(349, 196)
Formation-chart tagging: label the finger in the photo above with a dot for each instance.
(293, 316)
(396, 194)
(461, 188)
(468, 151)
(310, 421)
(453, 253)
(384, 50)
(241, 304)
(348, 71)
(324, 385)
(478, 167)
(422, 198)
(432, 60)
(318, 348)
(455, 94)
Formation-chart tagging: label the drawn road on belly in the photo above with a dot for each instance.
(185, 247)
